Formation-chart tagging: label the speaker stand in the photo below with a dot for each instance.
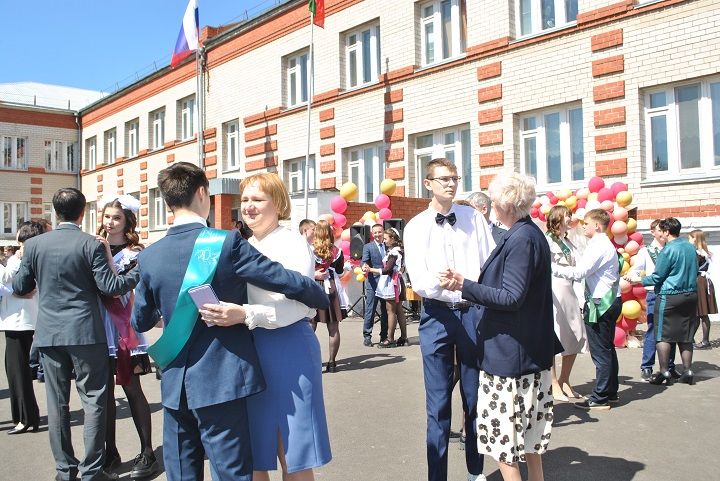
(361, 298)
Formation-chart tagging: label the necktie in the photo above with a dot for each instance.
(450, 218)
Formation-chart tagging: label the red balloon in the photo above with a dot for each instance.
(618, 187)
(627, 324)
(542, 217)
(595, 184)
(581, 203)
(627, 296)
(620, 337)
(639, 292)
(534, 212)
(605, 194)
(637, 237)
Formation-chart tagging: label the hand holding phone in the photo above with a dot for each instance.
(202, 295)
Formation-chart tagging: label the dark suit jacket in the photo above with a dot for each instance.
(372, 257)
(69, 268)
(497, 233)
(515, 293)
(218, 364)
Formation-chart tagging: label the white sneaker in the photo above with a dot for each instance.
(476, 477)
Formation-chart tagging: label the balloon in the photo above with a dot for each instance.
(595, 184)
(627, 324)
(618, 187)
(620, 240)
(338, 204)
(607, 205)
(345, 236)
(542, 217)
(388, 186)
(564, 194)
(571, 202)
(620, 337)
(345, 248)
(370, 222)
(582, 193)
(639, 292)
(337, 232)
(592, 205)
(385, 213)
(360, 278)
(580, 213)
(605, 194)
(553, 199)
(620, 213)
(545, 209)
(544, 200)
(624, 198)
(626, 256)
(358, 271)
(619, 228)
(632, 247)
(625, 296)
(581, 203)
(340, 220)
(382, 201)
(561, 202)
(368, 215)
(348, 191)
(632, 225)
(625, 268)
(534, 212)
(625, 286)
(631, 309)
(536, 204)
(328, 218)
(636, 236)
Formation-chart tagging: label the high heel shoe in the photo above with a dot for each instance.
(331, 366)
(687, 378)
(24, 429)
(661, 377)
(401, 341)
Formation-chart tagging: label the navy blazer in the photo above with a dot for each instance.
(516, 313)
(218, 364)
(371, 256)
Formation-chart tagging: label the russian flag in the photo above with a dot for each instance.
(187, 41)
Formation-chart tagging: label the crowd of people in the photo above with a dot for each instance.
(499, 305)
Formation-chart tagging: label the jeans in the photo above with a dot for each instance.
(601, 337)
(371, 302)
(648, 356)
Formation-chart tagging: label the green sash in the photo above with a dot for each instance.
(200, 270)
(597, 310)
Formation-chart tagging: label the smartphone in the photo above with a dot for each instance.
(203, 294)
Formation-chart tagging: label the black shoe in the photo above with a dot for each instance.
(589, 404)
(112, 462)
(367, 342)
(105, 476)
(145, 465)
(662, 377)
(687, 378)
(646, 374)
(24, 429)
(702, 345)
(613, 399)
(674, 373)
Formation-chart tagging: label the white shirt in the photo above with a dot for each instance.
(189, 219)
(431, 248)
(598, 266)
(16, 314)
(271, 310)
(644, 265)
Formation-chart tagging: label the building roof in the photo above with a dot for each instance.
(47, 95)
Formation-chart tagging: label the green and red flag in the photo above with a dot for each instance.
(317, 7)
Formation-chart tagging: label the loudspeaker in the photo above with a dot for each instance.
(359, 236)
(397, 224)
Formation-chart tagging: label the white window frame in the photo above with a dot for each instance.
(187, 118)
(294, 171)
(366, 42)
(294, 74)
(536, 22)
(110, 146)
(13, 216)
(13, 161)
(157, 132)
(133, 132)
(440, 149)
(232, 145)
(539, 133)
(357, 161)
(92, 153)
(49, 214)
(159, 218)
(708, 165)
(91, 224)
(60, 156)
(433, 19)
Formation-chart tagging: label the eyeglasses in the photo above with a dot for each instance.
(445, 180)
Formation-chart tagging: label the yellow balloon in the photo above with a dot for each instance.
(358, 271)
(571, 202)
(626, 256)
(348, 191)
(360, 278)
(388, 186)
(625, 269)
(592, 196)
(631, 225)
(631, 309)
(369, 215)
(624, 198)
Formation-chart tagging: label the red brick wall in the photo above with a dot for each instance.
(401, 207)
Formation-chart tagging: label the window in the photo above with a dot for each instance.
(13, 214)
(366, 169)
(49, 214)
(13, 156)
(231, 148)
(91, 224)
(110, 149)
(59, 156)
(534, 16)
(157, 129)
(91, 153)
(186, 124)
(295, 174)
(132, 138)
(362, 56)
(552, 148)
(442, 30)
(159, 211)
(682, 127)
(452, 144)
(298, 79)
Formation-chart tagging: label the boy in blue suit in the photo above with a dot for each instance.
(204, 388)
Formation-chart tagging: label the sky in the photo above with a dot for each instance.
(96, 44)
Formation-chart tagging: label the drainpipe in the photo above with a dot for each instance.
(80, 150)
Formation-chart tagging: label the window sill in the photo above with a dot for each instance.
(360, 87)
(545, 32)
(159, 228)
(17, 169)
(442, 62)
(659, 181)
(645, 3)
(572, 185)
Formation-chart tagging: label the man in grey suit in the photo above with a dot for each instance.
(69, 269)
(482, 203)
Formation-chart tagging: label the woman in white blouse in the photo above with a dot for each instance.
(287, 420)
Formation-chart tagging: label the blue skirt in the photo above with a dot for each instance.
(292, 404)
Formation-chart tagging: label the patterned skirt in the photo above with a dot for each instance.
(515, 415)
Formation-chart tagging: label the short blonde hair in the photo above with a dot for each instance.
(513, 193)
(271, 184)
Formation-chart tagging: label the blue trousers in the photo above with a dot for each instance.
(601, 338)
(649, 343)
(447, 335)
(220, 431)
(371, 302)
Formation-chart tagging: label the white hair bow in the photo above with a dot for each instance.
(127, 201)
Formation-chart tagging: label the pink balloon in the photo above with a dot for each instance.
(625, 286)
(338, 204)
(619, 228)
(620, 240)
(637, 237)
(618, 187)
(632, 247)
(620, 337)
(534, 212)
(581, 203)
(595, 184)
(605, 194)
(620, 213)
(345, 236)
(328, 218)
(627, 324)
(340, 220)
(385, 213)
(382, 201)
(553, 198)
(337, 232)
(639, 292)
(345, 247)
(607, 205)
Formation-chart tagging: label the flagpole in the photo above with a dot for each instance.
(306, 181)
(198, 98)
